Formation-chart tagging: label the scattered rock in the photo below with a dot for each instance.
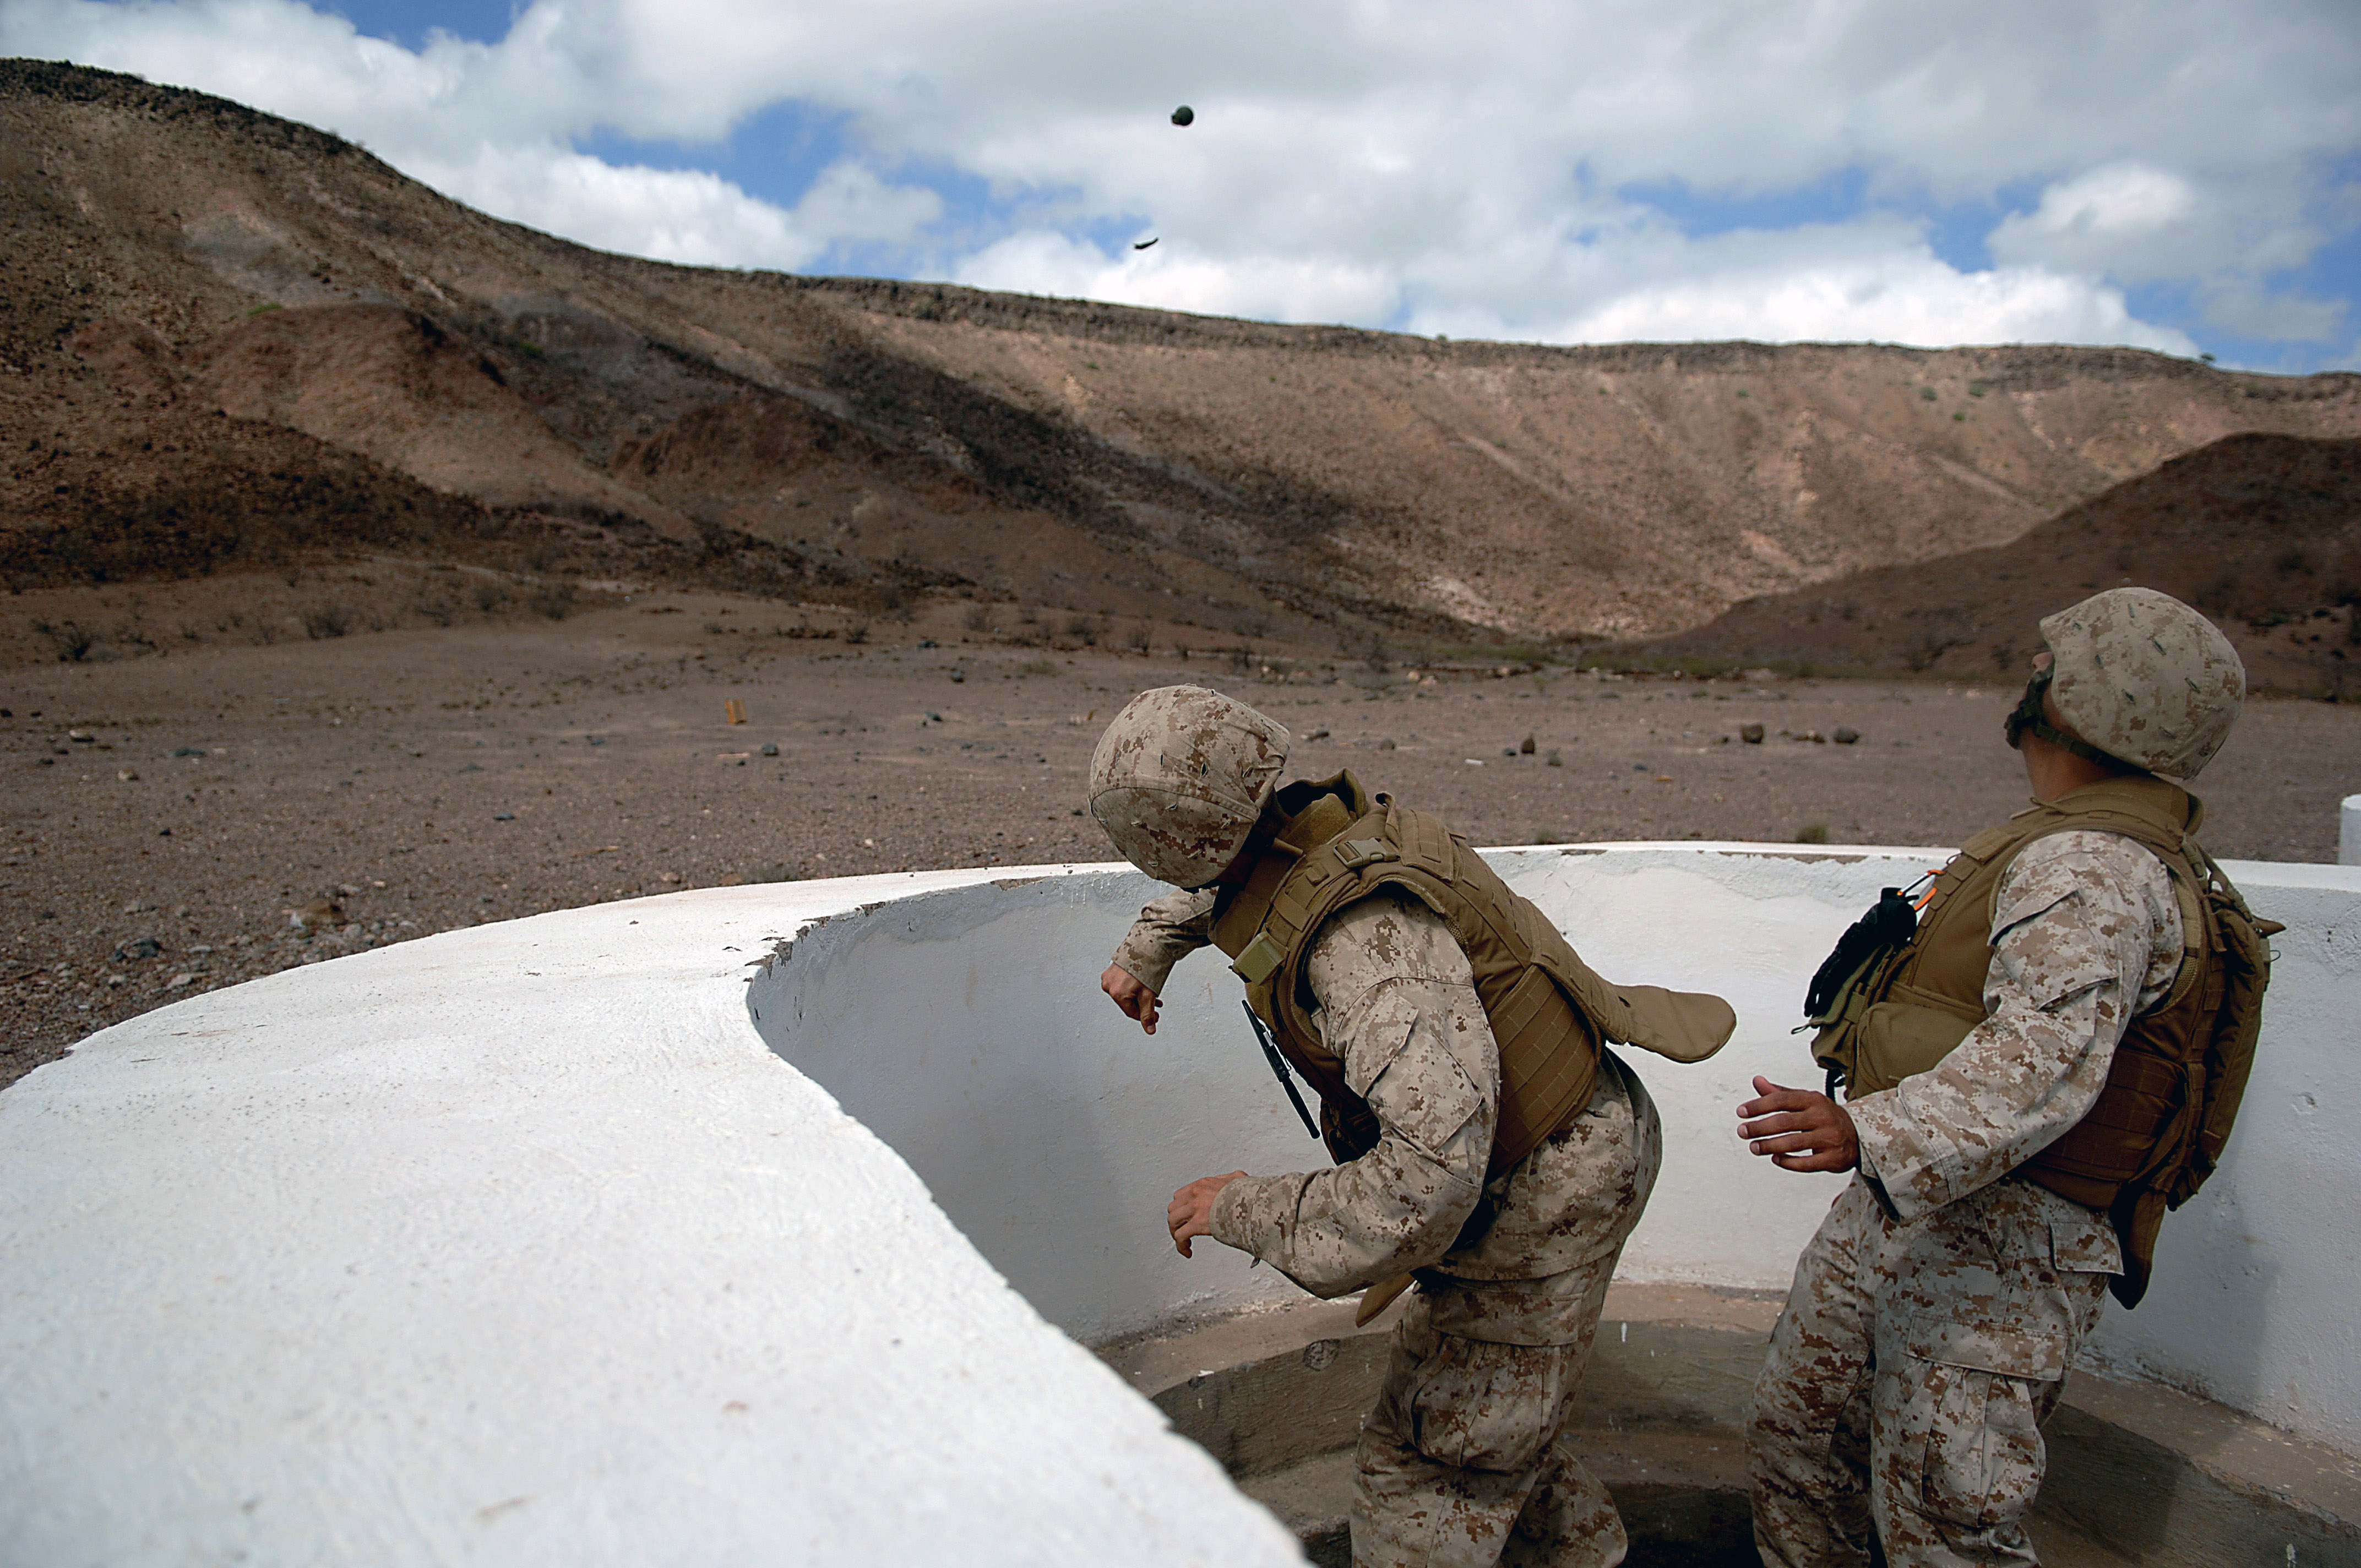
(1526, 746)
(1386, 745)
(593, 740)
(1846, 736)
(1553, 760)
(138, 948)
(669, 878)
(504, 816)
(1814, 736)
(1508, 750)
(188, 751)
(178, 981)
(81, 737)
(1751, 733)
(958, 675)
(770, 748)
(316, 915)
(128, 775)
(472, 768)
(1317, 735)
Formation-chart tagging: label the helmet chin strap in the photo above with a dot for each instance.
(2027, 718)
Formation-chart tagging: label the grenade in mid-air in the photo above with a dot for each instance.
(1183, 114)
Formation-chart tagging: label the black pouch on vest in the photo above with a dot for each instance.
(1886, 928)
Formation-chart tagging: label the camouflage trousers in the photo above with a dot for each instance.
(1466, 1461)
(1908, 1377)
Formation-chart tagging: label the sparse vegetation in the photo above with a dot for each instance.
(71, 641)
(1812, 833)
(327, 620)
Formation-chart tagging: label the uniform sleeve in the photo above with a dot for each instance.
(2083, 925)
(1165, 932)
(1397, 1003)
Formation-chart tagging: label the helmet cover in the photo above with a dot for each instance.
(1180, 778)
(2145, 679)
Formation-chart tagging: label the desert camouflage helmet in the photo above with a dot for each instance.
(1180, 778)
(2142, 678)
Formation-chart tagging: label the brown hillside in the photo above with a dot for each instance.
(197, 292)
(2262, 532)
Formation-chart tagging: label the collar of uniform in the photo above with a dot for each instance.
(1313, 811)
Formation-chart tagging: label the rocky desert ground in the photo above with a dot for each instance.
(370, 568)
(218, 807)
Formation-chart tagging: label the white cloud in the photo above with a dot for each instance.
(1368, 162)
(1271, 288)
(1901, 298)
(2123, 219)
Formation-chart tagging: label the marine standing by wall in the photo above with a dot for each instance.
(1486, 1138)
(2052, 1056)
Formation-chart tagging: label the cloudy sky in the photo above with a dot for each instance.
(2184, 175)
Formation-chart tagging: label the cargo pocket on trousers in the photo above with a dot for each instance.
(1481, 1406)
(1971, 1431)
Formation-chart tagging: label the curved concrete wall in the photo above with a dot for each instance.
(515, 1245)
(518, 1245)
(966, 1028)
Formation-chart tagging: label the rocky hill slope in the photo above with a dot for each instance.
(224, 339)
(2262, 532)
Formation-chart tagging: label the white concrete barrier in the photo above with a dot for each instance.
(517, 1245)
(514, 1245)
(966, 1028)
(2348, 832)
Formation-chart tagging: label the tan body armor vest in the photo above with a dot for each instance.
(1547, 1009)
(1906, 1013)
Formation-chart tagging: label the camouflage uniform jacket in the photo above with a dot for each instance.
(2086, 935)
(1397, 1003)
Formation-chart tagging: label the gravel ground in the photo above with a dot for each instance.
(238, 810)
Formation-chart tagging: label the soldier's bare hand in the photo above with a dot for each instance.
(1135, 1000)
(1799, 1129)
(1191, 1213)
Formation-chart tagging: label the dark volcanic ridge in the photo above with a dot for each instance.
(2262, 533)
(229, 341)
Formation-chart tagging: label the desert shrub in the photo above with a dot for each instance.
(1085, 630)
(71, 641)
(489, 597)
(1139, 641)
(1036, 667)
(327, 620)
(978, 618)
(1812, 833)
(555, 598)
(857, 633)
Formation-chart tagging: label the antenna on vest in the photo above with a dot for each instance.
(1279, 1066)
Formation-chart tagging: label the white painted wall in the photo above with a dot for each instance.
(2348, 832)
(966, 1028)
(516, 1246)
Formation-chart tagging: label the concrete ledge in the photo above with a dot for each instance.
(2138, 1474)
